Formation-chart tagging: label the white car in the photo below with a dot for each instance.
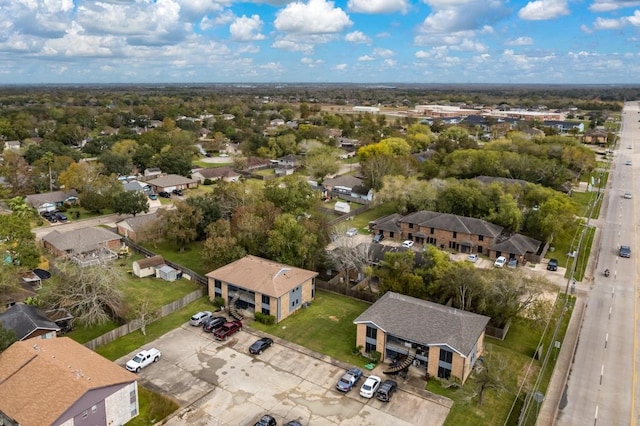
(352, 232)
(407, 244)
(627, 195)
(473, 258)
(199, 318)
(628, 162)
(500, 262)
(370, 386)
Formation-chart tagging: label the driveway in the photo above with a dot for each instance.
(220, 383)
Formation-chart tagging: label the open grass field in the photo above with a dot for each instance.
(189, 258)
(326, 326)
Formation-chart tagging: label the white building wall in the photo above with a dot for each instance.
(118, 406)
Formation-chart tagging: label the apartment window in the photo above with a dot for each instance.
(480, 237)
(85, 414)
(479, 249)
(432, 231)
(455, 234)
(369, 347)
(265, 299)
(444, 373)
(132, 396)
(372, 333)
(94, 409)
(218, 284)
(446, 356)
(411, 226)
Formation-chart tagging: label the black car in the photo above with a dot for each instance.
(164, 194)
(61, 217)
(213, 323)
(260, 345)
(266, 420)
(552, 265)
(625, 251)
(386, 389)
(177, 192)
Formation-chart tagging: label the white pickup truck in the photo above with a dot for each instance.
(142, 359)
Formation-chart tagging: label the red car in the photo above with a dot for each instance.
(227, 329)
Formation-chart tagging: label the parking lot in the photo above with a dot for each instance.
(220, 383)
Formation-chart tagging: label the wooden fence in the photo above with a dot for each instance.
(342, 289)
(136, 324)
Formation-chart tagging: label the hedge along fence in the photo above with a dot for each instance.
(136, 324)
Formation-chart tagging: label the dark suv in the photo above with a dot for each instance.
(386, 389)
(625, 251)
(552, 265)
(213, 323)
(164, 194)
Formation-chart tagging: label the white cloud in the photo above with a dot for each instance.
(357, 37)
(390, 63)
(383, 53)
(271, 66)
(311, 62)
(520, 41)
(246, 28)
(293, 46)
(366, 58)
(462, 15)
(314, 17)
(378, 6)
(340, 67)
(634, 19)
(540, 10)
(223, 18)
(611, 5)
(609, 24)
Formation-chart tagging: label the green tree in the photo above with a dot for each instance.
(130, 202)
(7, 337)
(292, 194)
(321, 161)
(290, 243)
(396, 274)
(17, 174)
(180, 224)
(221, 247)
(17, 240)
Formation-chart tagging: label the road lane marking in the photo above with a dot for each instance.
(606, 340)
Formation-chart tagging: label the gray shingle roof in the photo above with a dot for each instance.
(25, 319)
(425, 322)
(515, 243)
(388, 223)
(451, 222)
(347, 181)
(139, 222)
(170, 180)
(80, 240)
(36, 200)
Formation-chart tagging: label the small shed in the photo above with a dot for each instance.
(167, 273)
(342, 207)
(147, 267)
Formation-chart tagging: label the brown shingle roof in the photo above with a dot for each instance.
(80, 240)
(40, 380)
(150, 261)
(262, 275)
(170, 180)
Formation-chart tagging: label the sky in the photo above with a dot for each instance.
(320, 41)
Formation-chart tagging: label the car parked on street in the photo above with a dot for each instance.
(386, 389)
(370, 386)
(212, 323)
(500, 262)
(628, 195)
(199, 318)
(349, 379)
(407, 244)
(260, 345)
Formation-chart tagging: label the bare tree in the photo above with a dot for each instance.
(349, 253)
(89, 293)
(145, 314)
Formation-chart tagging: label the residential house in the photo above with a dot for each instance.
(596, 136)
(86, 246)
(261, 285)
(135, 228)
(290, 161)
(136, 186)
(168, 183)
(564, 126)
(147, 267)
(438, 341)
(28, 322)
(348, 187)
(61, 382)
(50, 201)
(12, 145)
(459, 233)
(224, 173)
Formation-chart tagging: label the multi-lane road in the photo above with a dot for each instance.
(603, 388)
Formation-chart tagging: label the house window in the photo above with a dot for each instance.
(391, 234)
(444, 373)
(369, 347)
(94, 409)
(85, 414)
(455, 234)
(432, 231)
(372, 333)
(218, 284)
(480, 237)
(479, 249)
(266, 299)
(446, 356)
(132, 396)
(411, 226)
(266, 311)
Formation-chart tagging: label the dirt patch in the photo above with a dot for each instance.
(334, 318)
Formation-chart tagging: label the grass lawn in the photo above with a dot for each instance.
(326, 326)
(362, 220)
(132, 341)
(207, 165)
(189, 258)
(153, 407)
(512, 357)
(563, 247)
(585, 201)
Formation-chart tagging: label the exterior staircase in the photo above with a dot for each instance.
(233, 309)
(404, 364)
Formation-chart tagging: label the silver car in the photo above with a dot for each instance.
(199, 318)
